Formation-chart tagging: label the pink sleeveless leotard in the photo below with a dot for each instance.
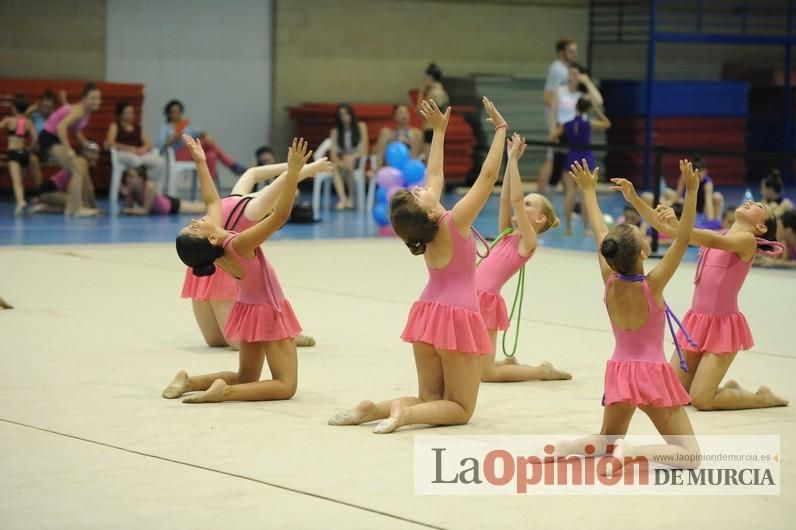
(491, 275)
(446, 315)
(714, 320)
(61, 179)
(51, 125)
(637, 373)
(261, 312)
(219, 285)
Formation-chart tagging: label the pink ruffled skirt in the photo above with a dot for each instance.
(493, 309)
(447, 328)
(643, 383)
(217, 286)
(261, 322)
(716, 333)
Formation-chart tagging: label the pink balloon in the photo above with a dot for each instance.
(387, 177)
(392, 191)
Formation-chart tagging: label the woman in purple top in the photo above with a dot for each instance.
(54, 144)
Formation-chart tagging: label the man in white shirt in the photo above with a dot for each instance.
(557, 75)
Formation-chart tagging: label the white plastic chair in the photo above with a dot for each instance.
(321, 187)
(117, 170)
(174, 168)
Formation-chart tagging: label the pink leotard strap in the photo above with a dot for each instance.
(776, 249)
(20, 129)
(475, 232)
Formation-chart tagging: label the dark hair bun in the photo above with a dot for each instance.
(204, 270)
(416, 247)
(609, 248)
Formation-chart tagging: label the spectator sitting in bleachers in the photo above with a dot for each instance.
(771, 189)
(710, 203)
(171, 136)
(402, 132)
(66, 191)
(21, 139)
(132, 143)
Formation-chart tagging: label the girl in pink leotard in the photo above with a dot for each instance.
(533, 215)
(261, 318)
(714, 320)
(212, 296)
(143, 198)
(445, 327)
(637, 375)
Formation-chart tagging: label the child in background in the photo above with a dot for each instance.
(771, 190)
(574, 133)
(143, 198)
(21, 139)
(786, 235)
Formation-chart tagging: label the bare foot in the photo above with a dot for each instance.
(83, 212)
(397, 411)
(553, 374)
(770, 398)
(20, 209)
(304, 341)
(38, 208)
(177, 387)
(354, 416)
(5, 305)
(568, 232)
(214, 394)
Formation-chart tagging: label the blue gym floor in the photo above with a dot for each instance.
(48, 229)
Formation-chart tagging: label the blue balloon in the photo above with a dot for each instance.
(380, 214)
(381, 195)
(414, 172)
(397, 154)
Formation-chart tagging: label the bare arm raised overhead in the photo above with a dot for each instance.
(206, 184)
(587, 182)
(468, 208)
(249, 240)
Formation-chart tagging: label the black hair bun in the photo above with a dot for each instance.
(609, 248)
(204, 270)
(416, 247)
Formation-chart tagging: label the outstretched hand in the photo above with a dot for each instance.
(495, 118)
(625, 187)
(431, 113)
(515, 146)
(297, 155)
(322, 165)
(583, 177)
(195, 148)
(689, 175)
(667, 217)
